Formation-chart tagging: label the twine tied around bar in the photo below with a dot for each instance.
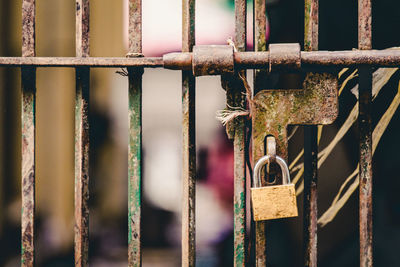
(230, 113)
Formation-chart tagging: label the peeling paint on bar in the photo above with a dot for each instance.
(260, 32)
(189, 141)
(81, 229)
(311, 25)
(365, 187)
(135, 136)
(236, 131)
(260, 44)
(28, 165)
(242, 60)
(274, 110)
(135, 166)
(28, 80)
(364, 24)
(310, 207)
(82, 167)
(365, 129)
(236, 98)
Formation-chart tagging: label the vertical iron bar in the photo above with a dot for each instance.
(82, 137)
(310, 195)
(28, 79)
(364, 25)
(239, 147)
(260, 44)
(260, 25)
(364, 124)
(135, 136)
(189, 141)
(310, 150)
(259, 34)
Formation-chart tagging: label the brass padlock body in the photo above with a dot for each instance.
(274, 202)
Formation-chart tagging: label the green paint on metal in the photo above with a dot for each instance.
(276, 109)
(134, 165)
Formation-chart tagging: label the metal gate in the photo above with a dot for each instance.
(202, 61)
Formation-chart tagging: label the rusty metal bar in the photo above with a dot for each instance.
(365, 128)
(310, 195)
(260, 44)
(135, 136)
(189, 141)
(259, 35)
(238, 100)
(81, 229)
(243, 60)
(28, 79)
(98, 62)
(364, 25)
(365, 190)
(373, 58)
(311, 25)
(310, 217)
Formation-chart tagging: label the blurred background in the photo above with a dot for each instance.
(338, 241)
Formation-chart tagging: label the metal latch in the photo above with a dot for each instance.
(316, 103)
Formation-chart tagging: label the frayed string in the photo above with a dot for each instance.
(230, 113)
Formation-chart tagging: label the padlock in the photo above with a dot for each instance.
(273, 202)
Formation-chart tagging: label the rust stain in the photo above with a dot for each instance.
(82, 167)
(189, 141)
(311, 21)
(212, 59)
(28, 28)
(260, 44)
(81, 229)
(364, 124)
(135, 26)
(28, 113)
(364, 24)
(135, 166)
(276, 109)
(310, 195)
(28, 166)
(365, 176)
(242, 60)
(284, 57)
(236, 131)
(135, 136)
(188, 170)
(311, 25)
(82, 28)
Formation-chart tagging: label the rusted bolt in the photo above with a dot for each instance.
(284, 56)
(212, 60)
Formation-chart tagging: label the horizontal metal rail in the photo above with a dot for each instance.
(109, 62)
(243, 60)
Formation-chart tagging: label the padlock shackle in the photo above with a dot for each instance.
(265, 159)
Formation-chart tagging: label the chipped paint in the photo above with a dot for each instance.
(82, 167)
(276, 109)
(82, 142)
(28, 113)
(189, 141)
(135, 166)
